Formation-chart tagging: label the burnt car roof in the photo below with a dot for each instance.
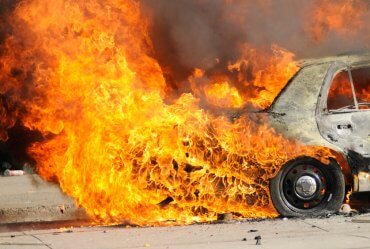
(347, 58)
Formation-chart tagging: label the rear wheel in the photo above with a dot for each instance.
(307, 187)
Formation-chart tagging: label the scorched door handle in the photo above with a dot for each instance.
(344, 126)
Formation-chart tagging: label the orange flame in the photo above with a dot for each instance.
(95, 92)
(223, 95)
(270, 73)
(343, 16)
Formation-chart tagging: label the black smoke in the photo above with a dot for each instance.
(13, 147)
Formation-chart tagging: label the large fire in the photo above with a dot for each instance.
(117, 137)
(333, 15)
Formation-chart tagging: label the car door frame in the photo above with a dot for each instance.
(347, 136)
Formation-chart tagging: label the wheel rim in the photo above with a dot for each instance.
(305, 186)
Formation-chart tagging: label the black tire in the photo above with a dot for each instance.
(329, 188)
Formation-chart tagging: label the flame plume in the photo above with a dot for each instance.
(117, 135)
(333, 15)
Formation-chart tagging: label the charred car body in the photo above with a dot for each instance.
(327, 103)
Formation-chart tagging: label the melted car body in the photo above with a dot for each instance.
(327, 103)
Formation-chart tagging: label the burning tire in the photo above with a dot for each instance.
(307, 187)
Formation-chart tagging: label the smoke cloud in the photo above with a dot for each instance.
(207, 34)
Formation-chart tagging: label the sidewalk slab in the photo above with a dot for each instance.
(29, 198)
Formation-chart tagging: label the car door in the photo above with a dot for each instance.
(345, 120)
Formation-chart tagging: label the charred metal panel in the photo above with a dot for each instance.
(362, 182)
(357, 162)
(348, 129)
(300, 112)
(294, 111)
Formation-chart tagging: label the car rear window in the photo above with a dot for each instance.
(340, 93)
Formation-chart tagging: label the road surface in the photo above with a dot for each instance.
(29, 199)
(335, 232)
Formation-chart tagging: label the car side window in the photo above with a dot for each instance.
(340, 94)
(361, 82)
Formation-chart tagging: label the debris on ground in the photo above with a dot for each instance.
(9, 172)
(7, 169)
(65, 230)
(28, 168)
(258, 239)
(146, 245)
(346, 210)
(224, 217)
(62, 209)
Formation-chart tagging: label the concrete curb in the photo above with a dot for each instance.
(28, 198)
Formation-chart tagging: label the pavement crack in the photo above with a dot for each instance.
(34, 236)
(359, 236)
(315, 226)
(20, 244)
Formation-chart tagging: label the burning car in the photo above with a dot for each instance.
(326, 103)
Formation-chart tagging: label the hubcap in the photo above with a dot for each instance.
(306, 186)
